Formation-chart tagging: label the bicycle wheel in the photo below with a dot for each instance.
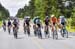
(9, 30)
(39, 33)
(4, 28)
(46, 31)
(66, 33)
(55, 35)
(24, 30)
(35, 30)
(28, 31)
(15, 33)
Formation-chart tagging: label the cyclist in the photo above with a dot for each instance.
(53, 20)
(46, 25)
(15, 28)
(9, 26)
(38, 23)
(34, 26)
(27, 21)
(62, 20)
(4, 25)
(63, 24)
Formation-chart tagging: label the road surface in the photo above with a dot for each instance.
(24, 42)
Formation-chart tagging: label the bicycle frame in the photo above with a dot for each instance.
(47, 31)
(55, 34)
(64, 32)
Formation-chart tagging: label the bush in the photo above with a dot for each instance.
(73, 21)
(0, 23)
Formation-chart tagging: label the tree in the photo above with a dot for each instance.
(44, 8)
(4, 13)
(73, 17)
(32, 8)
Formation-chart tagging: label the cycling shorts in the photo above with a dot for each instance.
(54, 24)
(46, 23)
(38, 25)
(27, 24)
(63, 23)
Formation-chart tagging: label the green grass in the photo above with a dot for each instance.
(69, 27)
(0, 23)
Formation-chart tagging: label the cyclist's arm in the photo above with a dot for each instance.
(66, 22)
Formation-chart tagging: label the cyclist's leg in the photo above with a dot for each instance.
(28, 29)
(55, 34)
(39, 31)
(35, 30)
(53, 29)
(4, 28)
(8, 29)
(24, 29)
(63, 31)
(16, 30)
(56, 31)
(47, 31)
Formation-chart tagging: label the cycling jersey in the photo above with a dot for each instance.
(54, 19)
(15, 24)
(9, 23)
(47, 21)
(38, 21)
(4, 23)
(62, 20)
(27, 21)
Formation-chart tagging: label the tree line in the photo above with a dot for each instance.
(4, 13)
(44, 8)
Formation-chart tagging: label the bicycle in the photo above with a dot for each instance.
(9, 29)
(55, 34)
(47, 31)
(39, 33)
(24, 29)
(35, 30)
(4, 28)
(64, 32)
(28, 30)
(15, 32)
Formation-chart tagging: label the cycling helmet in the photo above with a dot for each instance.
(52, 15)
(61, 17)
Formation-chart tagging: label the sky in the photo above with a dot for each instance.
(14, 5)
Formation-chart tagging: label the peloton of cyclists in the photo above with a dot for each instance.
(48, 21)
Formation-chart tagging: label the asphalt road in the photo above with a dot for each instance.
(24, 42)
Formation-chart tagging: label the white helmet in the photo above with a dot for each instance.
(52, 15)
(61, 17)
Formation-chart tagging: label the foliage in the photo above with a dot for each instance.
(44, 8)
(0, 23)
(4, 13)
(73, 17)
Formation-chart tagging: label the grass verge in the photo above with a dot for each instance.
(70, 29)
(0, 23)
